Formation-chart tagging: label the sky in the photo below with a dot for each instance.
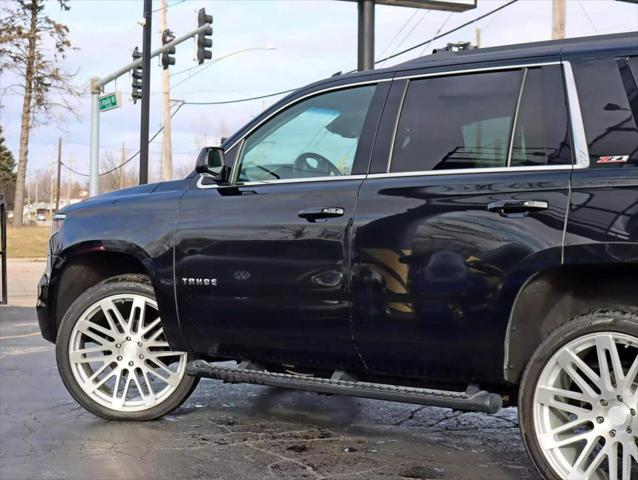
(292, 43)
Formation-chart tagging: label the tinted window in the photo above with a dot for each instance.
(314, 138)
(609, 124)
(459, 121)
(542, 127)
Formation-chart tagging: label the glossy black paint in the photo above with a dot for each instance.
(435, 273)
(416, 279)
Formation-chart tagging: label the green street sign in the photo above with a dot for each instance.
(110, 101)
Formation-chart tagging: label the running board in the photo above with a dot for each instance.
(472, 400)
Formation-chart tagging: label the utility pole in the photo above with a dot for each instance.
(559, 14)
(51, 196)
(57, 188)
(68, 182)
(167, 142)
(146, 91)
(123, 159)
(478, 37)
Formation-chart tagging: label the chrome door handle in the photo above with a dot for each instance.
(317, 213)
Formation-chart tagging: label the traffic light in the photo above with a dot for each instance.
(136, 90)
(203, 38)
(167, 36)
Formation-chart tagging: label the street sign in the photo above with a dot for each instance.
(110, 101)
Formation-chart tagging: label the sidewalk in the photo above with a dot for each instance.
(22, 284)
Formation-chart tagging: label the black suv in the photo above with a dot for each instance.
(460, 230)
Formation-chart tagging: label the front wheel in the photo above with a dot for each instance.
(578, 402)
(113, 355)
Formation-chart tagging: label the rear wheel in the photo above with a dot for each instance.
(579, 399)
(114, 357)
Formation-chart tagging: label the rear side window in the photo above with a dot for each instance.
(541, 135)
(610, 126)
(466, 121)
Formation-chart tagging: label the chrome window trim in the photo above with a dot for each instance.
(465, 171)
(396, 126)
(201, 186)
(510, 149)
(575, 116)
(579, 139)
(477, 69)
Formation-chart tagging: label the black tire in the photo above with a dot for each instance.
(623, 321)
(124, 284)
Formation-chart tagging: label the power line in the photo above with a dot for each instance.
(168, 6)
(436, 33)
(587, 15)
(239, 100)
(407, 35)
(396, 35)
(455, 29)
(128, 159)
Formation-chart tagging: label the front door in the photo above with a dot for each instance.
(262, 264)
(472, 200)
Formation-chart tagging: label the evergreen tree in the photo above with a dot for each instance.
(7, 174)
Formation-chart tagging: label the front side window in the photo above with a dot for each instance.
(466, 121)
(317, 137)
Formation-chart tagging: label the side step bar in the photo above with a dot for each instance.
(472, 400)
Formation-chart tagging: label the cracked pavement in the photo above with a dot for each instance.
(236, 432)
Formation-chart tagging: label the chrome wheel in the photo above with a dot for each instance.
(120, 357)
(585, 408)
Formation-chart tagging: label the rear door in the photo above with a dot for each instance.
(467, 198)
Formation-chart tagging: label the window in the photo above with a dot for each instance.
(542, 133)
(610, 127)
(458, 121)
(466, 121)
(317, 137)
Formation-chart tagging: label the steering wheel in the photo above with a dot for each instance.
(320, 167)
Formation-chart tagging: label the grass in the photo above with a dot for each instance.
(27, 242)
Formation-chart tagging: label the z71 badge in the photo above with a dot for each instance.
(199, 282)
(613, 159)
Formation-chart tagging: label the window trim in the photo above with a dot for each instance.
(579, 141)
(577, 130)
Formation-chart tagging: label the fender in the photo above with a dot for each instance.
(553, 295)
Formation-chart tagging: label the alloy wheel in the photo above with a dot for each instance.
(120, 357)
(585, 408)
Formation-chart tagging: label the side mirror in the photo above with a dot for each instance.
(211, 161)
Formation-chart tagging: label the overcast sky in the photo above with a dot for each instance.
(311, 40)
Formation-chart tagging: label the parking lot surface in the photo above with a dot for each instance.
(231, 431)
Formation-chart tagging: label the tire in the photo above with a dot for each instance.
(599, 404)
(111, 338)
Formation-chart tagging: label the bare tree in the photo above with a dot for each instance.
(32, 46)
(113, 178)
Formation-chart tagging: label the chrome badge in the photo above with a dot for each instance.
(199, 282)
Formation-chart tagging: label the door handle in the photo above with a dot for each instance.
(317, 213)
(517, 208)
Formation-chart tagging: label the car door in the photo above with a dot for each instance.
(262, 264)
(467, 198)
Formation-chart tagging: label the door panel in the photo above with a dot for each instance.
(281, 290)
(432, 268)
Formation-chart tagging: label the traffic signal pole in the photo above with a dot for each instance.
(146, 91)
(97, 84)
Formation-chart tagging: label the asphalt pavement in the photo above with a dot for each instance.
(230, 432)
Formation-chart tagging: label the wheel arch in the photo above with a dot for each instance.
(83, 265)
(552, 297)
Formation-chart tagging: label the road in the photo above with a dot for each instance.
(230, 432)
